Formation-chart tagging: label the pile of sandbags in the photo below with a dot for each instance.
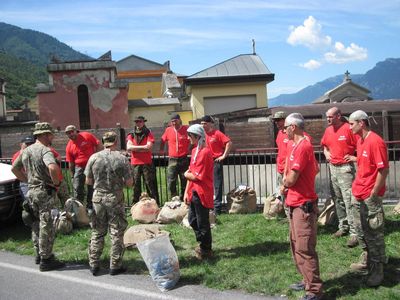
(173, 212)
(139, 233)
(273, 207)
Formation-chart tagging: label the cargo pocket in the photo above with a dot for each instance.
(375, 220)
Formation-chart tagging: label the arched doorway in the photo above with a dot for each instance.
(83, 106)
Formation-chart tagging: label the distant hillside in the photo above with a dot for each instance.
(382, 81)
(24, 54)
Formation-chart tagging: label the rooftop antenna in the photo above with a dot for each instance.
(254, 46)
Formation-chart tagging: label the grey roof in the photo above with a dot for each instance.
(244, 65)
(325, 98)
(152, 102)
(134, 62)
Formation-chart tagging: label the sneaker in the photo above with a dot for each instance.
(352, 242)
(339, 233)
(299, 286)
(94, 270)
(50, 264)
(121, 270)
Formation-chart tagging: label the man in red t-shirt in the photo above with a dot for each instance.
(199, 191)
(140, 143)
(80, 147)
(301, 198)
(220, 145)
(368, 189)
(338, 142)
(178, 149)
(25, 142)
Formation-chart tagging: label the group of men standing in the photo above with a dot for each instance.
(106, 172)
(357, 195)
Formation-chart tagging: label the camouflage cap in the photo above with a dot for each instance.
(109, 138)
(279, 115)
(42, 128)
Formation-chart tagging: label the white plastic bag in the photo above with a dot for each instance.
(161, 260)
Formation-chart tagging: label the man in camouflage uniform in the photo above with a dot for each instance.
(108, 171)
(368, 189)
(140, 143)
(42, 173)
(339, 142)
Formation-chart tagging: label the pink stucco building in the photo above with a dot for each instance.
(84, 93)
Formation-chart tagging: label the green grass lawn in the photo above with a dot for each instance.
(251, 254)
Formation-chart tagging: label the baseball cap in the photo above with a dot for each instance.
(207, 119)
(28, 140)
(358, 115)
(70, 128)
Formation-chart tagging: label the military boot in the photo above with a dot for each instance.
(375, 277)
(362, 264)
(50, 264)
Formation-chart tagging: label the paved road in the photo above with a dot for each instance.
(20, 278)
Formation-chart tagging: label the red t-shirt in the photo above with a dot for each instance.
(79, 150)
(216, 142)
(58, 159)
(178, 141)
(281, 141)
(15, 156)
(141, 158)
(371, 157)
(301, 158)
(340, 143)
(203, 169)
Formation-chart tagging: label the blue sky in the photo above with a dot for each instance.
(302, 42)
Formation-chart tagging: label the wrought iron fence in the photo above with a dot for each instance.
(256, 168)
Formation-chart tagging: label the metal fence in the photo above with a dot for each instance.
(256, 168)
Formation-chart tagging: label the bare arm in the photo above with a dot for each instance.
(144, 148)
(327, 153)
(54, 170)
(380, 181)
(291, 178)
(21, 176)
(228, 147)
(72, 168)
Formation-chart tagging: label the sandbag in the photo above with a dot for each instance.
(396, 210)
(328, 216)
(161, 260)
(172, 212)
(78, 212)
(242, 200)
(140, 233)
(146, 210)
(63, 223)
(273, 207)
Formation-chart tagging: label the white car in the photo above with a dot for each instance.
(10, 197)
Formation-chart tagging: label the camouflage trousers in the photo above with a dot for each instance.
(78, 183)
(109, 215)
(41, 202)
(369, 223)
(149, 174)
(342, 177)
(177, 167)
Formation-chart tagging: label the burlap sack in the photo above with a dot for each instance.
(63, 223)
(77, 211)
(146, 210)
(172, 212)
(139, 233)
(242, 200)
(328, 216)
(396, 210)
(273, 207)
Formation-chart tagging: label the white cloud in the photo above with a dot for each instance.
(342, 54)
(312, 64)
(309, 35)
